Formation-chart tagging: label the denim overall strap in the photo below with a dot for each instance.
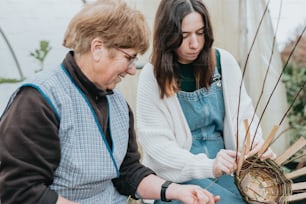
(204, 112)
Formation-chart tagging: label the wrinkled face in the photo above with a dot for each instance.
(106, 67)
(193, 38)
(115, 66)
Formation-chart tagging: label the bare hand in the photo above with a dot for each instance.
(225, 162)
(62, 200)
(268, 154)
(192, 194)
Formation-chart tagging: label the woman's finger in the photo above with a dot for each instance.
(202, 196)
(269, 154)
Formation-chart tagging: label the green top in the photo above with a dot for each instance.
(187, 78)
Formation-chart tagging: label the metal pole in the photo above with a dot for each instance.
(13, 54)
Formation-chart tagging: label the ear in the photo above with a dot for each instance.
(97, 49)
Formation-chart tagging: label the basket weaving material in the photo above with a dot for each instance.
(263, 182)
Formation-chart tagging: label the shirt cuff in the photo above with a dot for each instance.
(49, 197)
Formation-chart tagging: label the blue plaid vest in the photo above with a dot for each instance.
(87, 162)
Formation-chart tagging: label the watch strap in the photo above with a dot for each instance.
(163, 191)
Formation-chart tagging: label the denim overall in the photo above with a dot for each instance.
(204, 111)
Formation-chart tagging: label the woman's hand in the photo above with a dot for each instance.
(191, 194)
(268, 154)
(150, 188)
(62, 200)
(225, 162)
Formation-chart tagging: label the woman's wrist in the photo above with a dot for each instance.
(172, 192)
(163, 191)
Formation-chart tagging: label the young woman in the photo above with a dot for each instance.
(67, 135)
(187, 102)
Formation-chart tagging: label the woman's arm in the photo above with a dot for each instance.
(131, 170)
(62, 200)
(30, 150)
(164, 135)
(235, 94)
(150, 188)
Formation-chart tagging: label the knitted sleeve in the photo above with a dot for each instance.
(235, 95)
(164, 135)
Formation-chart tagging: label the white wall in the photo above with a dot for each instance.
(25, 23)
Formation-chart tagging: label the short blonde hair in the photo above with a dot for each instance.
(113, 21)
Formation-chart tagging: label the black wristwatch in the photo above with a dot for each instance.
(163, 191)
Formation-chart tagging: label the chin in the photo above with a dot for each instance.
(112, 86)
(194, 58)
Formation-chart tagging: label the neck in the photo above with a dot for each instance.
(85, 65)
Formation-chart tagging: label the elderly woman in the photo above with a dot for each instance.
(67, 135)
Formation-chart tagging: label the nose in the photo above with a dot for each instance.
(194, 41)
(131, 70)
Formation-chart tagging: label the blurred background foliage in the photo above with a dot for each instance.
(294, 79)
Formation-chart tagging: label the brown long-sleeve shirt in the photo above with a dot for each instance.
(30, 145)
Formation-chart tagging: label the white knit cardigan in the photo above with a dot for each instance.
(163, 131)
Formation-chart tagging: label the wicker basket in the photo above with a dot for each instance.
(263, 182)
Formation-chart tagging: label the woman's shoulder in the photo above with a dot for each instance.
(225, 53)
(147, 71)
(148, 67)
(147, 78)
(227, 58)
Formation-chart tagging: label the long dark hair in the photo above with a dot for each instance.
(167, 37)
